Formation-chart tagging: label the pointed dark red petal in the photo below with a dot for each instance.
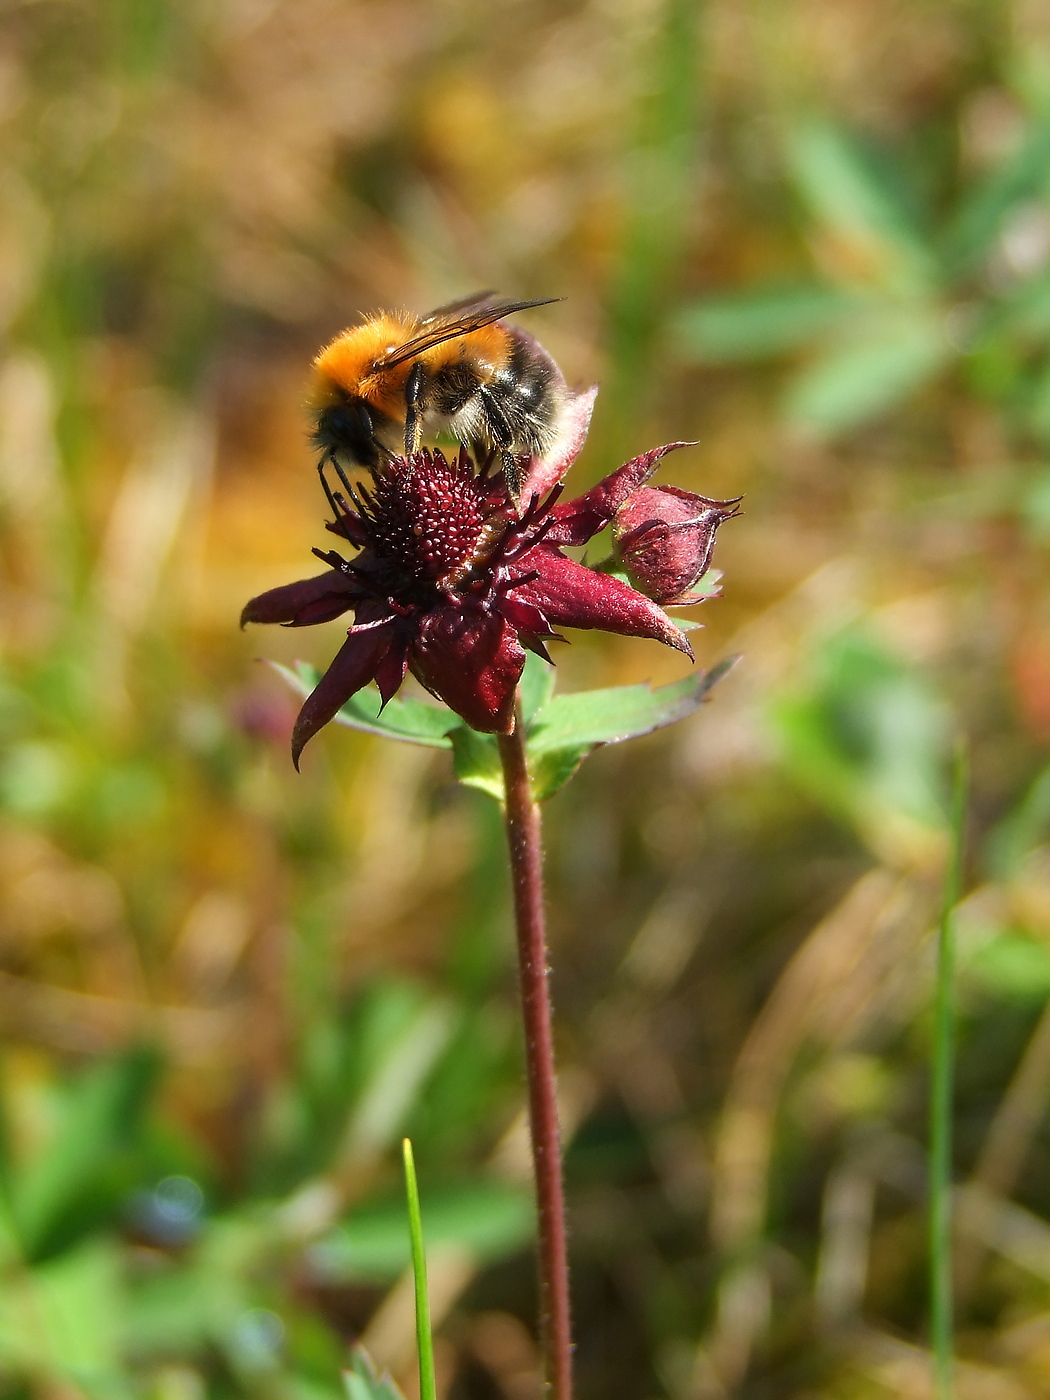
(526, 617)
(325, 609)
(534, 644)
(575, 522)
(391, 669)
(306, 601)
(355, 665)
(349, 525)
(571, 595)
(472, 660)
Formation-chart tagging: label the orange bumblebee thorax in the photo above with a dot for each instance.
(346, 368)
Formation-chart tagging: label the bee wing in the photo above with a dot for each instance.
(442, 313)
(440, 331)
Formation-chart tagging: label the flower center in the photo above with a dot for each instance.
(426, 519)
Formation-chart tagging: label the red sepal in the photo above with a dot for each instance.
(571, 595)
(472, 660)
(543, 473)
(306, 601)
(577, 521)
(354, 666)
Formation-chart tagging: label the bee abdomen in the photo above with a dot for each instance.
(531, 392)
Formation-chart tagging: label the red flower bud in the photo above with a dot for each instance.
(664, 538)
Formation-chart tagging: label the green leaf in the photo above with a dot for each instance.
(866, 736)
(851, 383)
(1035, 507)
(197, 1301)
(476, 761)
(987, 207)
(536, 685)
(487, 1219)
(1038, 404)
(609, 565)
(708, 585)
(758, 324)
(562, 731)
(1021, 831)
(1014, 967)
(67, 1316)
(396, 1082)
(566, 730)
(105, 1107)
(180, 1310)
(622, 712)
(1024, 311)
(856, 196)
(548, 772)
(363, 1381)
(411, 721)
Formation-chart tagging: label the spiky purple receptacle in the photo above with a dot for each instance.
(452, 581)
(427, 518)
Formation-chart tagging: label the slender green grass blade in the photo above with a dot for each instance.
(941, 1311)
(424, 1341)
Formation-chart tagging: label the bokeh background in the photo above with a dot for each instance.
(812, 235)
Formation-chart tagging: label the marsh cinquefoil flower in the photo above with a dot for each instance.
(451, 582)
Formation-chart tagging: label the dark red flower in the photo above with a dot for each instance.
(664, 538)
(452, 582)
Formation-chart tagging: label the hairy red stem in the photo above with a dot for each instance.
(522, 816)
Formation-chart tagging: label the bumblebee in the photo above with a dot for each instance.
(461, 367)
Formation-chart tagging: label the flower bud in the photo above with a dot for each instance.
(664, 537)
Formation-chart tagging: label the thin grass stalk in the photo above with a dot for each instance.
(942, 1322)
(522, 818)
(424, 1338)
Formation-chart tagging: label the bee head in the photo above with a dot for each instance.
(346, 429)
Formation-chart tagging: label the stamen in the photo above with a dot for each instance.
(526, 543)
(333, 560)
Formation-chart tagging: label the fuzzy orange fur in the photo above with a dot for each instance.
(345, 366)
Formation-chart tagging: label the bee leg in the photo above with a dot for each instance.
(327, 489)
(344, 480)
(502, 437)
(413, 409)
(512, 474)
